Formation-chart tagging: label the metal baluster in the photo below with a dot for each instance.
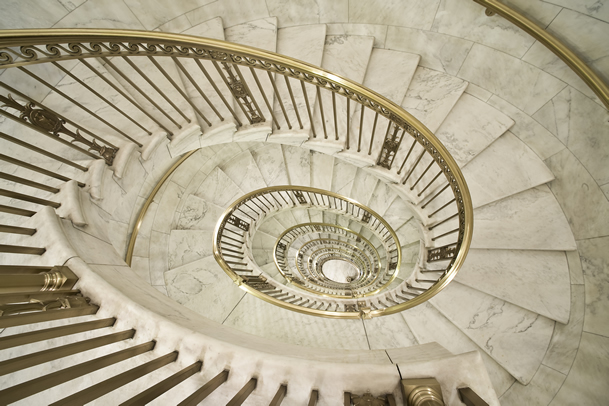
(279, 99)
(443, 221)
(278, 398)
(452, 201)
(20, 196)
(407, 155)
(266, 101)
(423, 174)
(16, 230)
(413, 166)
(126, 96)
(429, 184)
(16, 211)
(321, 111)
(287, 83)
(334, 114)
(196, 86)
(179, 90)
(140, 91)
(436, 195)
(361, 125)
(27, 182)
(376, 116)
(306, 97)
(104, 99)
(205, 390)
(243, 394)
(211, 81)
(348, 122)
(445, 234)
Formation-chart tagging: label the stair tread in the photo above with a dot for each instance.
(297, 161)
(203, 286)
(322, 166)
(429, 325)
(244, 172)
(218, 188)
(534, 280)
(271, 165)
(388, 332)
(432, 95)
(470, 127)
(499, 328)
(197, 214)
(186, 246)
(363, 187)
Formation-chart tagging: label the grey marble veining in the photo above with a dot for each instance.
(218, 189)
(494, 71)
(322, 166)
(582, 126)
(582, 201)
(186, 246)
(269, 160)
(516, 338)
(197, 214)
(506, 167)
(297, 161)
(536, 136)
(565, 340)
(244, 172)
(429, 325)
(531, 220)
(516, 276)
(470, 127)
(430, 97)
(203, 287)
(595, 263)
(540, 391)
(388, 332)
(378, 31)
(343, 176)
(592, 8)
(465, 19)
(592, 360)
(405, 13)
(40, 15)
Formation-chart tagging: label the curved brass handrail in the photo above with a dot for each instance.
(20, 48)
(598, 86)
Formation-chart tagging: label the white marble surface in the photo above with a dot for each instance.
(540, 391)
(101, 14)
(470, 127)
(218, 189)
(158, 257)
(494, 71)
(232, 12)
(595, 262)
(243, 171)
(531, 220)
(535, 280)
(343, 177)
(591, 361)
(582, 201)
(565, 340)
(270, 163)
(203, 287)
(582, 126)
(409, 13)
(153, 14)
(186, 246)
(381, 198)
(163, 220)
(388, 332)
(592, 8)
(40, 14)
(431, 95)
(297, 162)
(197, 214)
(364, 185)
(440, 52)
(321, 166)
(466, 19)
(378, 31)
(257, 317)
(506, 167)
(516, 338)
(428, 326)
(532, 133)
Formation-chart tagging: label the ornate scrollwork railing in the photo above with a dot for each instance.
(216, 72)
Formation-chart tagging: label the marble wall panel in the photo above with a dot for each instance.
(378, 31)
(186, 246)
(322, 166)
(409, 13)
(197, 214)
(440, 52)
(495, 71)
(540, 391)
(593, 8)
(565, 340)
(218, 189)
(101, 14)
(388, 332)
(158, 263)
(582, 126)
(39, 15)
(467, 19)
(595, 264)
(583, 385)
(582, 201)
(232, 12)
(269, 161)
(152, 14)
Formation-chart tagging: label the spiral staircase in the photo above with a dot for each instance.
(173, 327)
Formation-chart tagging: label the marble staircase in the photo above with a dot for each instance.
(505, 302)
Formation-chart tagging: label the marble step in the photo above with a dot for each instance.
(348, 56)
(270, 162)
(261, 34)
(343, 177)
(305, 43)
(322, 170)
(186, 246)
(529, 220)
(428, 325)
(214, 29)
(202, 284)
(516, 338)
(364, 185)
(388, 73)
(298, 165)
(181, 112)
(505, 168)
(432, 95)
(197, 214)
(534, 280)
(244, 172)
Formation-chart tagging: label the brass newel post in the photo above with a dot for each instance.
(54, 279)
(422, 392)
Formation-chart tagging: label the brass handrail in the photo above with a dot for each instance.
(22, 48)
(598, 86)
